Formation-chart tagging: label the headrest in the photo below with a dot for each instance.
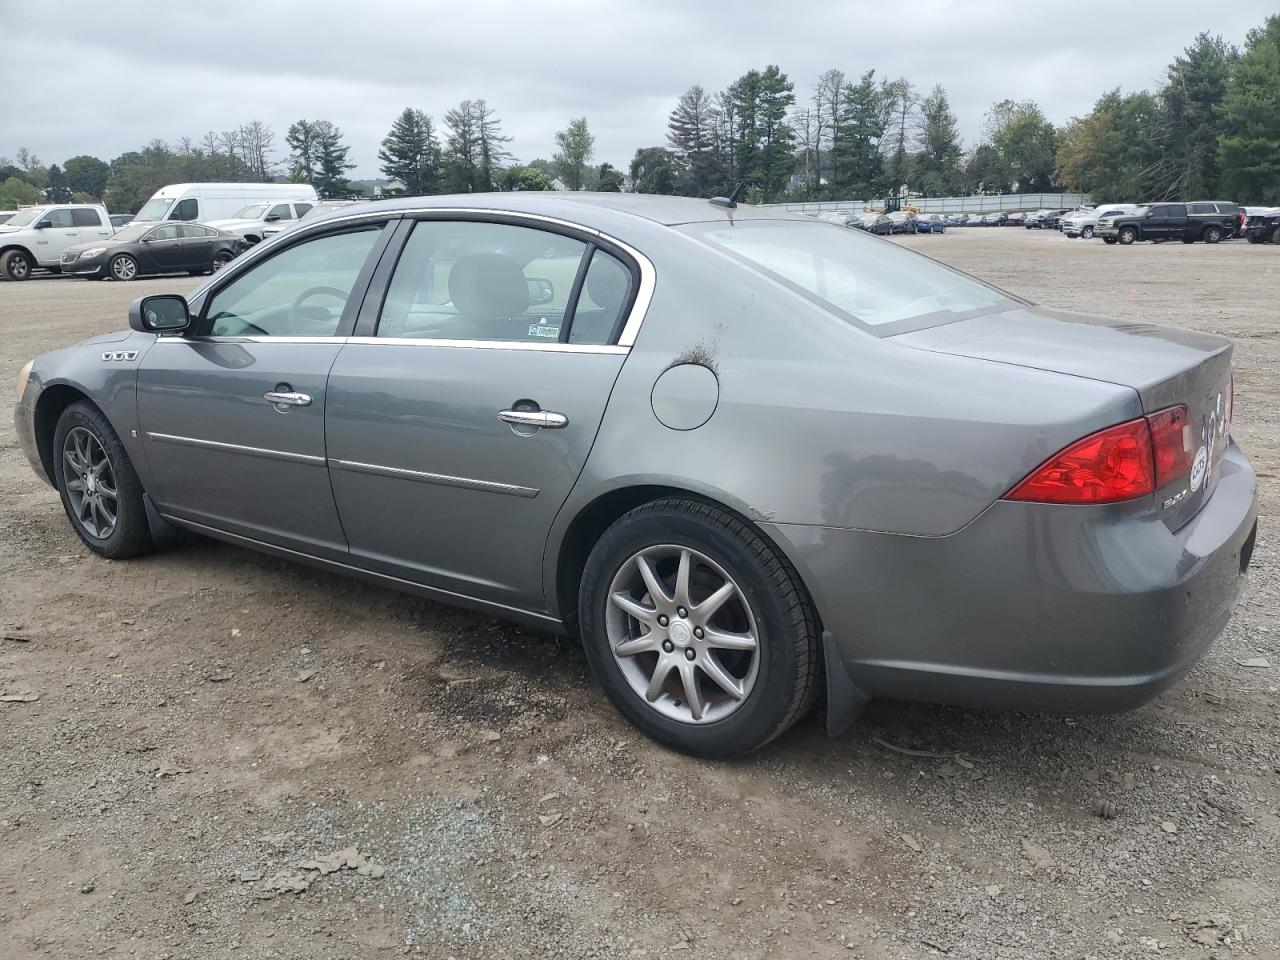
(488, 286)
(607, 283)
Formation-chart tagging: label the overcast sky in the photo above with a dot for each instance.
(106, 78)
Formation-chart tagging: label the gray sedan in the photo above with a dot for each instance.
(753, 460)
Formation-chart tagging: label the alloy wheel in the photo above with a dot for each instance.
(90, 482)
(19, 267)
(682, 634)
(219, 262)
(123, 268)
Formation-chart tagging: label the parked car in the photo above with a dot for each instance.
(5, 215)
(1050, 220)
(34, 237)
(877, 223)
(1187, 222)
(903, 221)
(146, 249)
(317, 210)
(997, 219)
(725, 528)
(1015, 219)
(930, 223)
(120, 219)
(1032, 220)
(957, 219)
(251, 221)
(1263, 225)
(205, 202)
(1082, 223)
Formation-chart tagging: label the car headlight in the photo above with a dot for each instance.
(23, 376)
(94, 252)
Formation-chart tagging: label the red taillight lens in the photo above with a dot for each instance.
(1172, 442)
(1107, 466)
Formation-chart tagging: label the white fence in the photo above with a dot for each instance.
(984, 204)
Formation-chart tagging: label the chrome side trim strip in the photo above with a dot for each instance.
(237, 448)
(488, 486)
(493, 345)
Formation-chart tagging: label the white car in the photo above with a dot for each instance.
(319, 210)
(35, 237)
(252, 221)
(1082, 223)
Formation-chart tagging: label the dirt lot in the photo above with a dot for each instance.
(208, 718)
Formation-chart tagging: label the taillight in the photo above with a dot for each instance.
(1110, 465)
(1119, 463)
(1172, 443)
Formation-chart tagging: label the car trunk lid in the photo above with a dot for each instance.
(1165, 366)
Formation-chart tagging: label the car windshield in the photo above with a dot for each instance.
(133, 231)
(154, 209)
(24, 217)
(862, 278)
(252, 212)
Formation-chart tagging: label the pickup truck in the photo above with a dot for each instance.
(1188, 222)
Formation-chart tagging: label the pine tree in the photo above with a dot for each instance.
(1249, 150)
(301, 141)
(56, 188)
(938, 138)
(411, 154)
(576, 148)
(856, 155)
(331, 160)
(691, 132)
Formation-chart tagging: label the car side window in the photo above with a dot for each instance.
(301, 209)
(1201, 208)
(86, 217)
(606, 293)
(187, 209)
(468, 280)
(299, 292)
(170, 231)
(282, 211)
(58, 218)
(194, 231)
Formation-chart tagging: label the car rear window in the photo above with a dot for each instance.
(872, 282)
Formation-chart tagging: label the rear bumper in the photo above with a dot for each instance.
(1033, 606)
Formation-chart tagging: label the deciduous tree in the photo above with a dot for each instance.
(577, 146)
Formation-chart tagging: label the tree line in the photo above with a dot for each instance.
(1210, 130)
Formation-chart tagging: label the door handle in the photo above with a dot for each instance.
(287, 399)
(547, 419)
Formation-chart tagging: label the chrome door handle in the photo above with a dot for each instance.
(547, 419)
(288, 399)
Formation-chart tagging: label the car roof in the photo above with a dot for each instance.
(585, 207)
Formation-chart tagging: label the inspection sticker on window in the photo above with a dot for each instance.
(544, 329)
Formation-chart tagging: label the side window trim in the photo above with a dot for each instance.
(359, 289)
(575, 292)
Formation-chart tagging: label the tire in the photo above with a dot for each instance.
(220, 260)
(16, 266)
(1108, 240)
(1127, 235)
(775, 682)
(88, 435)
(123, 268)
(1212, 234)
(1255, 238)
(1087, 233)
(1275, 235)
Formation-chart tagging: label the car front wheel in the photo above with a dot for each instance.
(700, 633)
(123, 267)
(1087, 233)
(15, 265)
(100, 490)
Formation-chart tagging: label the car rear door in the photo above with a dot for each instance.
(56, 231)
(197, 246)
(232, 414)
(91, 224)
(459, 420)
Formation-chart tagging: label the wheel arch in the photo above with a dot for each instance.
(6, 247)
(54, 399)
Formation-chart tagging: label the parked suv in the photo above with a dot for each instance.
(1084, 222)
(1263, 225)
(1187, 222)
(251, 222)
(36, 236)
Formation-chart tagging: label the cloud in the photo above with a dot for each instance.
(106, 79)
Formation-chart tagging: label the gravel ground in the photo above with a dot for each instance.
(232, 756)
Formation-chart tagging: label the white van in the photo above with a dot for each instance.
(216, 201)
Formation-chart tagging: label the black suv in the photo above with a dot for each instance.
(1263, 226)
(1209, 221)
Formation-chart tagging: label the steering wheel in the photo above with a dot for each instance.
(296, 312)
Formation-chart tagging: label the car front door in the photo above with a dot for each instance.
(160, 250)
(55, 231)
(458, 426)
(233, 413)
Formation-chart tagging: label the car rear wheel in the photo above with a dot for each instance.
(700, 633)
(1212, 234)
(1087, 233)
(1275, 236)
(221, 260)
(123, 267)
(100, 490)
(15, 265)
(1108, 240)
(1127, 235)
